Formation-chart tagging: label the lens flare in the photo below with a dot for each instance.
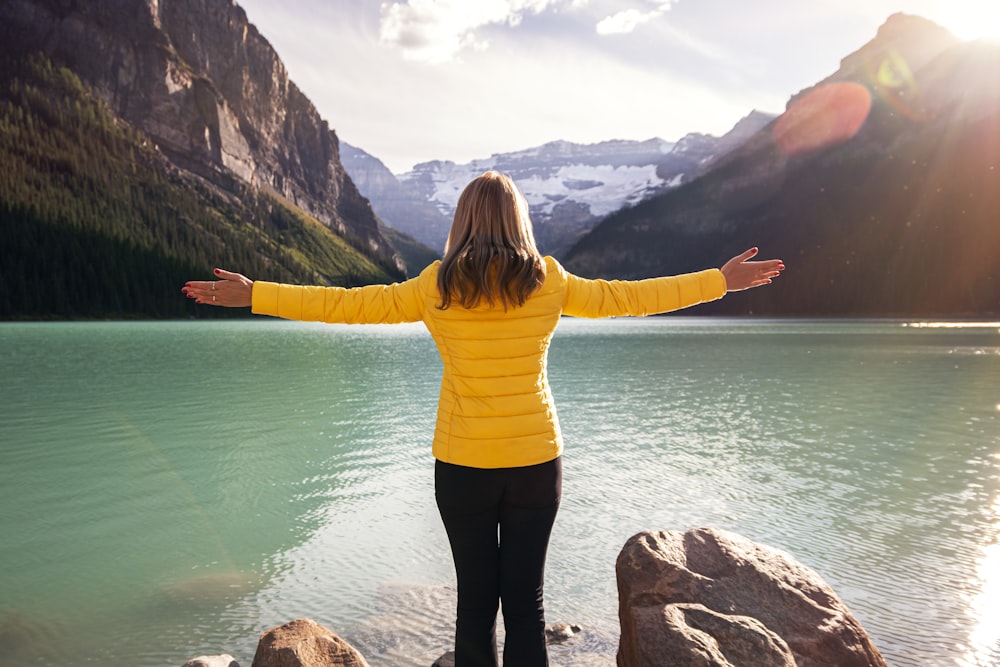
(893, 72)
(825, 116)
(894, 82)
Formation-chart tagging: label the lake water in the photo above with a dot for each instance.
(169, 490)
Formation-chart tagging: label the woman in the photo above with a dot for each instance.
(491, 305)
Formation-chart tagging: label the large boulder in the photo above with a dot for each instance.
(712, 598)
(305, 643)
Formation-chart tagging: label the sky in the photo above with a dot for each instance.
(411, 81)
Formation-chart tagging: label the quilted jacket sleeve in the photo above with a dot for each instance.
(371, 304)
(615, 298)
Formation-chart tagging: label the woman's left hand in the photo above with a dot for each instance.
(232, 290)
(741, 274)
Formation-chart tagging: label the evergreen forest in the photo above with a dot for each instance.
(95, 223)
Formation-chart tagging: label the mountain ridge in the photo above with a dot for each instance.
(857, 221)
(568, 186)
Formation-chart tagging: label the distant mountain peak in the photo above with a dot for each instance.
(569, 186)
(915, 184)
(908, 41)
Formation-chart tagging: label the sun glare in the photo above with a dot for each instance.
(985, 636)
(970, 19)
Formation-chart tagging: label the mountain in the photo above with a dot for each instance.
(879, 187)
(209, 152)
(569, 186)
(399, 207)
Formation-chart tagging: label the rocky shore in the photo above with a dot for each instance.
(701, 598)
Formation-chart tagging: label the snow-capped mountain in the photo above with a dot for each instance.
(569, 187)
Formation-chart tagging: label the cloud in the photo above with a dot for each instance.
(628, 20)
(437, 30)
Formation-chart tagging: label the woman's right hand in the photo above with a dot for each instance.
(232, 290)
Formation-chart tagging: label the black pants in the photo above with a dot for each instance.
(498, 522)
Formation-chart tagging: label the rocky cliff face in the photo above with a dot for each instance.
(209, 90)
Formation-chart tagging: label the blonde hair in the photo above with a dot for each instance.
(491, 252)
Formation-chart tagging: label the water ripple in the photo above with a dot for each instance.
(285, 471)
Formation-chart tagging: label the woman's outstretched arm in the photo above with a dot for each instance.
(741, 274)
(368, 304)
(232, 290)
(616, 298)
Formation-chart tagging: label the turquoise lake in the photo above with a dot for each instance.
(173, 489)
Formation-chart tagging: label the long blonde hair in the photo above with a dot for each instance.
(491, 252)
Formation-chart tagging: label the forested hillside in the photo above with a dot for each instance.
(95, 222)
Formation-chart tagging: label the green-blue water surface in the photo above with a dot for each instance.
(172, 489)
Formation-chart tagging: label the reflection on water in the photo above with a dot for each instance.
(984, 640)
(953, 325)
(174, 489)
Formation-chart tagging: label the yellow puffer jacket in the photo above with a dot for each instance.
(495, 409)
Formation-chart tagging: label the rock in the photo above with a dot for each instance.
(716, 599)
(446, 660)
(690, 634)
(560, 632)
(305, 643)
(224, 660)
